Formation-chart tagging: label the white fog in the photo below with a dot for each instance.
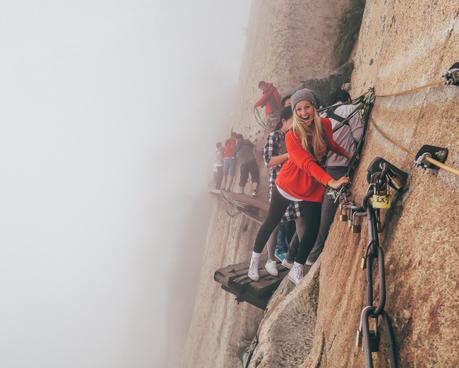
(109, 115)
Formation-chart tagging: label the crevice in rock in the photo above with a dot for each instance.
(348, 31)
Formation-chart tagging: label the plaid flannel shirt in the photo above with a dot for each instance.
(275, 146)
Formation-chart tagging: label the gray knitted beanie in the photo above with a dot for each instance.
(301, 95)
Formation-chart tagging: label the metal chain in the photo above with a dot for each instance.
(374, 253)
(383, 177)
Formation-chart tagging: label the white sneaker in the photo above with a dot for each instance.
(287, 264)
(270, 266)
(296, 273)
(253, 269)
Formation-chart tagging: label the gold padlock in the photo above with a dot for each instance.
(343, 214)
(380, 201)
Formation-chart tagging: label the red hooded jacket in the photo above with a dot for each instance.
(301, 176)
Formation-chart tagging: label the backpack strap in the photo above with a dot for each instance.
(331, 114)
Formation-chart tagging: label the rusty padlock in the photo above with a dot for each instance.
(356, 223)
(343, 213)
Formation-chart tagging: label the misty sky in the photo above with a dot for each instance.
(109, 115)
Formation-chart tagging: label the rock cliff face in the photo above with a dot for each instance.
(402, 44)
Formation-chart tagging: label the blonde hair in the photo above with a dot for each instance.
(315, 131)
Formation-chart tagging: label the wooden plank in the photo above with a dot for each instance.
(261, 303)
(234, 279)
(216, 192)
(248, 201)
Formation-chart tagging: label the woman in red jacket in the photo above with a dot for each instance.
(301, 179)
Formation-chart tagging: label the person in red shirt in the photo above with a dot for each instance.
(229, 162)
(270, 99)
(301, 179)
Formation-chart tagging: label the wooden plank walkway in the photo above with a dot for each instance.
(242, 200)
(253, 208)
(234, 280)
(248, 201)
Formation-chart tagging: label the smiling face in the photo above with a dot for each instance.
(305, 111)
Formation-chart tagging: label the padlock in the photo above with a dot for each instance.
(380, 201)
(356, 223)
(374, 341)
(343, 214)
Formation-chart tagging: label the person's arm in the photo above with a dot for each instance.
(262, 101)
(270, 150)
(236, 149)
(277, 160)
(336, 184)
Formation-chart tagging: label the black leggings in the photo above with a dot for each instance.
(279, 204)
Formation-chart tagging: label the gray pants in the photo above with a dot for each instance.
(327, 215)
(294, 243)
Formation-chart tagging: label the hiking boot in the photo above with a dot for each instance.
(287, 264)
(270, 266)
(296, 273)
(253, 269)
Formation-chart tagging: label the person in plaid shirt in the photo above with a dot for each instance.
(274, 155)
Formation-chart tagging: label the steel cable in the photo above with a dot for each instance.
(259, 120)
(410, 153)
(413, 90)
